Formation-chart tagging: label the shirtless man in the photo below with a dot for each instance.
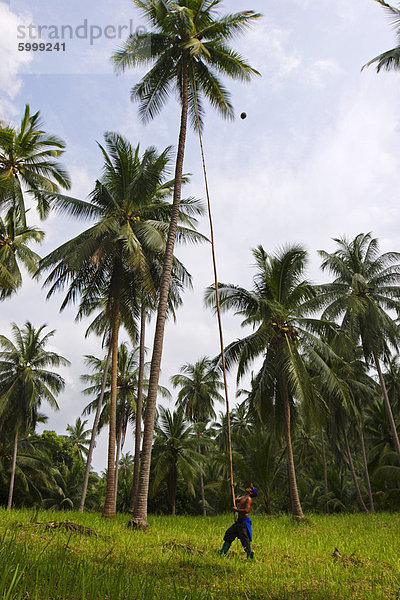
(242, 527)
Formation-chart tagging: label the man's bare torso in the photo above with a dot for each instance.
(243, 506)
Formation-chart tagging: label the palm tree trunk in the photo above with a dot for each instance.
(364, 455)
(139, 405)
(294, 493)
(119, 439)
(94, 430)
(172, 482)
(326, 491)
(203, 500)
(13, 468)
(139, 517)
(388, 407)
(353, 473)
(109, 504)
(288, 488)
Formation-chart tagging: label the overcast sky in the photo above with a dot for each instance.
(316, 158)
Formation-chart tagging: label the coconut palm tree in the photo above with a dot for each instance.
(139, 404)
(79, 437)
(365, 288)
(103, 382)
(217, 465)
(175, 453)
(179, 278)
(276, 309)
(127, 388)
(391, 58)
(199, 385)
(383, 460)
(364, 390)
(343, 414)
(392, 382)
(241, 422)
(15, 240)
(189, 49)
(199, 389)
(113, 259)
(29, 164)
(126, 398)
(261, 462)
(96, 300)
(34, 471)
(125, 482)
(25, 381)
(344, 401)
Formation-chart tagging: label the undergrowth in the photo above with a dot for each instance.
(176, 558)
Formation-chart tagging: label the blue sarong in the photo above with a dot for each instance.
(247, 522)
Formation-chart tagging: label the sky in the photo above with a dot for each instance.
(315, 159)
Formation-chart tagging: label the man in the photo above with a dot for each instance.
(242, 527)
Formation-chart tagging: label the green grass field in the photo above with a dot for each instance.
(176, 559)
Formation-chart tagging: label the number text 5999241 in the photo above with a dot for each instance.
(41, 47)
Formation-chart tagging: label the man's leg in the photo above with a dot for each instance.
(244, 536)
(230, 535)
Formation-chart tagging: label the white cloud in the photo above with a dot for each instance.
(346, 181)
(272, 50)
(87, 35)
(321, 71)
(11, 60)
(344, 9)
(267, 50)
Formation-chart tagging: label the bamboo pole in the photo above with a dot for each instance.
(221, 337)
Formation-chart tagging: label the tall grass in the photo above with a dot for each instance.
(176, 559)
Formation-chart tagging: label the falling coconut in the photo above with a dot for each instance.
(243, 115)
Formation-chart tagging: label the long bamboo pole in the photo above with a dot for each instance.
(221, 337)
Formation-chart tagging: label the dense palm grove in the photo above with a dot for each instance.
(316, 428)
